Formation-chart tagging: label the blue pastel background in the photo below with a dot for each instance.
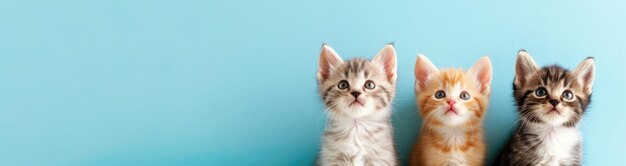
(233, 82)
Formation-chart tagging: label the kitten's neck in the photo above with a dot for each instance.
(438, 126)
(460, 129)
(542, 127)
(457, 136)
(381, 115)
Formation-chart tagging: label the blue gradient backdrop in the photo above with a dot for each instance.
(233, 82)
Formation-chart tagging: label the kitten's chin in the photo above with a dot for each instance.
(356, 105)
(452, 118)
(553, 117)
(454, 121)
(358, 111)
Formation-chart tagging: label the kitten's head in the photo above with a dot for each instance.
(357, 87)
(552, 95)
(452, 96)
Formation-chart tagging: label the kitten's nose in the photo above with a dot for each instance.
(451, 102)
(554, 102)
(355, 94)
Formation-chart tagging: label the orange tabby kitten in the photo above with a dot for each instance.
(452, 104)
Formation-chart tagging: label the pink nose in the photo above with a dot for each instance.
(451, 102)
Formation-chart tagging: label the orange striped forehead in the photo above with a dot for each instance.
(448, 79)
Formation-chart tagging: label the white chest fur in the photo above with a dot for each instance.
(454, 136)
(558, 143)
(357, 142)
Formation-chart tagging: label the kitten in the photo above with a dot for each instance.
(550, 101)
(452, 104)
(357, 95)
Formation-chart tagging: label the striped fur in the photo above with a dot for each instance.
(359, 130)
(545, 136)
(451, 138)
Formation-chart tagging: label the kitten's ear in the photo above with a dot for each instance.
(387, 58)
(585, 73)
(424, 71)
(328, 59)
(525, 66)
(482, 72)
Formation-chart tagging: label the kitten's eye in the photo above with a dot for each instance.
(370, 85)
(541, 92)
(440, 94)
(343, 85)
(567, 94)
(465, 96)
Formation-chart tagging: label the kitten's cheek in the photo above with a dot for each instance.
(568, 111)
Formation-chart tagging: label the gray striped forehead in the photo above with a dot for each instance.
(357, 67)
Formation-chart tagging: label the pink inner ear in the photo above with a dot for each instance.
(524, 65)
(585, 72)
(324, 66)
(587, 78)
(387, 57)
(324, 69)
(423, 70)
(390, 65)
(328, 58)
(421, 76)
(485, 79)
(482, 72)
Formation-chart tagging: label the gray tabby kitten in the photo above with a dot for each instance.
(551, 101)
(357, 95)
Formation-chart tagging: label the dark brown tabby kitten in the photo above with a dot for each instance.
(550, 101)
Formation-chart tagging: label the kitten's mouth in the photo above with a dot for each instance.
(356, 101)
(554, 110)
(451, 110)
